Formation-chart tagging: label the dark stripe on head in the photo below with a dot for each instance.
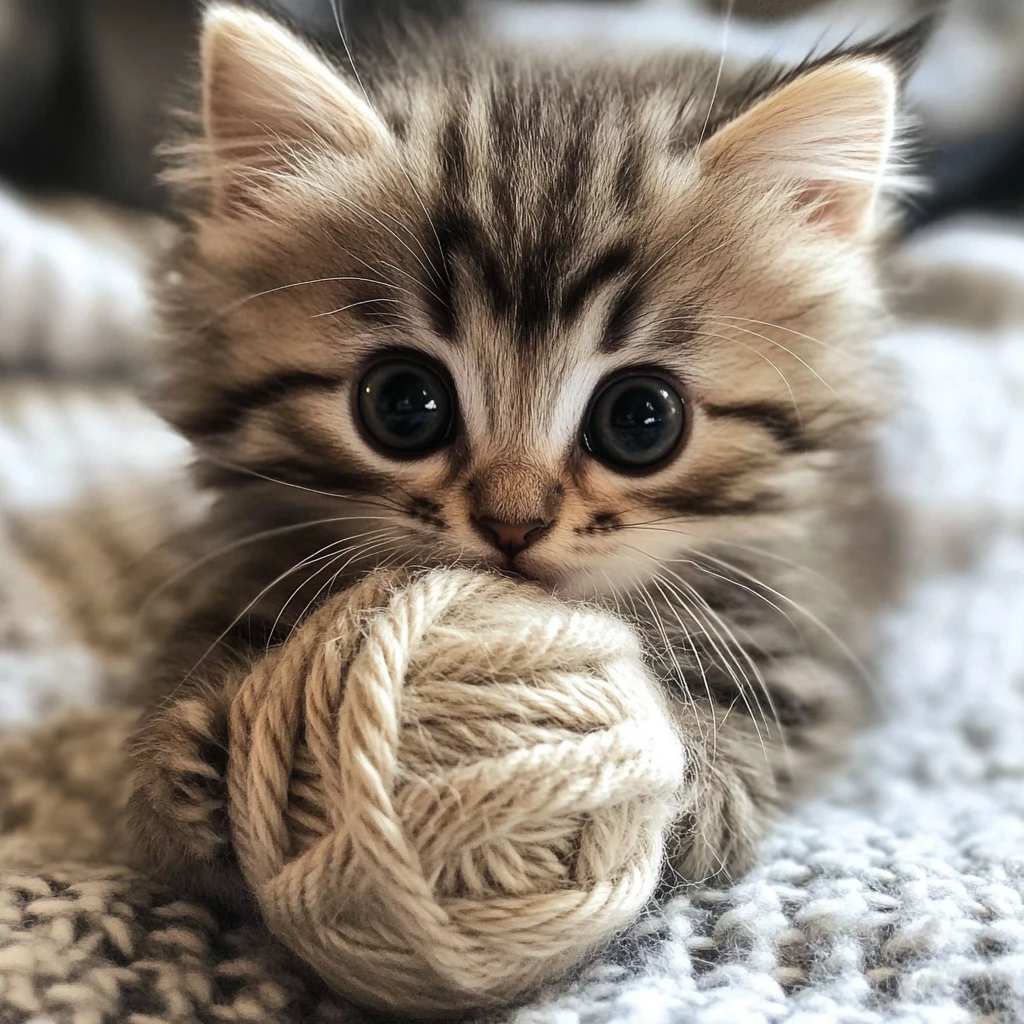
(577, 158)
(461, 236)
(604, 269)
(454, 157)
(628, 176)
(781, 422)
(533, 312)
(622, 319)
(506, 127)
(449, 226)
(231, 406)
(440, 295)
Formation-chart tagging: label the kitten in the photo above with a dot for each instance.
(607, 327)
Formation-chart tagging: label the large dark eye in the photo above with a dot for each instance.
(406, 407)
(635, 422)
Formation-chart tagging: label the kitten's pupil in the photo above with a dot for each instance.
(636, 422)
(638, 417)
(405, 407)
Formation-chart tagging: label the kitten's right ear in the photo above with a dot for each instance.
(267, 98)
(827, 133)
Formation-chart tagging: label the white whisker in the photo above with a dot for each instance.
(238, 303)
(353, 305)
(800, 609)
(727, 20)
(254, 538)
(728, 660)
(771, 341)
(370, 539)
(377, 501)
(730, 634)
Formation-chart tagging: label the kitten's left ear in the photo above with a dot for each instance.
(267, 94)
(827, 133)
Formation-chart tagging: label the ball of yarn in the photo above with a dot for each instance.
(450, 788)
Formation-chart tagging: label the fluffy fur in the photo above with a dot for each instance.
(533, 224)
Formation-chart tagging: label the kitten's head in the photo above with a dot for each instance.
(567, 319)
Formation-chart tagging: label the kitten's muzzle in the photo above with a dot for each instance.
(511, 538)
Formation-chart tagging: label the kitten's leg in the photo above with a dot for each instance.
(177, 811)
(750, 751)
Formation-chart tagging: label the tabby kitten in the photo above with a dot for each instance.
(602, 326)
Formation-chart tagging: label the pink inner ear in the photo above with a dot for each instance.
(827, 205)
(267, 92)
(826, 134)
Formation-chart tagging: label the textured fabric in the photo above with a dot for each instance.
(894, 895)
(73, 298)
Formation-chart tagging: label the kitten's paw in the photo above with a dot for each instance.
(177, 812)
(717, 839)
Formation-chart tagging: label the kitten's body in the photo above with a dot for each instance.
(534, 226)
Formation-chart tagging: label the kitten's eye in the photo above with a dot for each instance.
(406, 407)
(635, 422)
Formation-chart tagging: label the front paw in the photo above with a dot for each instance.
(177, 811)
(713, 849)
(717, 838)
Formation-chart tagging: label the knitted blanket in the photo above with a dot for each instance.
(895, 894)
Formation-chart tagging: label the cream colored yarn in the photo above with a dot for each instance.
(448, 789)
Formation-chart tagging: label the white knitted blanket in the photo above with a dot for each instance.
(895, 895)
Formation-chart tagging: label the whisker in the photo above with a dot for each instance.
(654, 526)
(671, 249)
(750, 348)
(253, 538)
(377, 501)
(682, 691)
(771, 341)
(688, 636)
(405, 273)
(800, 609)
(659, 622)
(317, 555)
(729, 661)
(369, 538)
(779, 327)
(366, 214)
(721, 66)
(353, 305)
(725, 626)
(238, 303)
(339, 24)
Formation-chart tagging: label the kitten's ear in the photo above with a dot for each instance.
(266, 96)
(826, 133)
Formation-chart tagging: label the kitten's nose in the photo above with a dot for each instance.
(511, 538)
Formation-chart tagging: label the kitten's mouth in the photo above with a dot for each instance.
(518, 575)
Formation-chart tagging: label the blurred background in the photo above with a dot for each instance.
(86, 87)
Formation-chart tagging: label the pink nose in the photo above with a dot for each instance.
(511, 538)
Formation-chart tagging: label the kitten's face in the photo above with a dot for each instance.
(531, 325)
